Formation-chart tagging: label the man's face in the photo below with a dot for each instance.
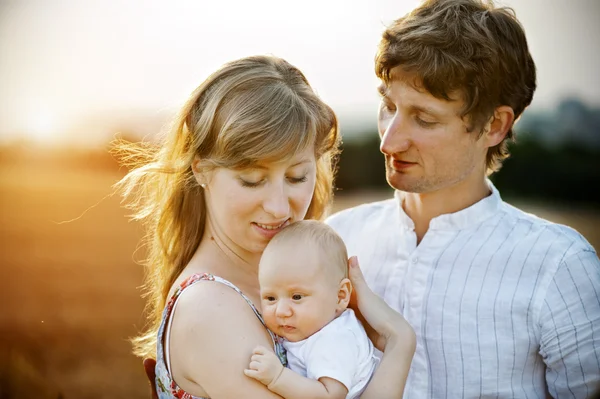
(424, 139)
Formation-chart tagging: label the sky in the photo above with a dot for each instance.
(65, 64)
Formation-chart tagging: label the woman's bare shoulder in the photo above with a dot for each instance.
(209, 306)
(213, 334)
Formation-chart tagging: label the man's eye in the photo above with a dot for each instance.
(387, 107)
(424, 123)
(296, 297)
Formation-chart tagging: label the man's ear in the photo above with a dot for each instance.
(344, 292)
(499, 124)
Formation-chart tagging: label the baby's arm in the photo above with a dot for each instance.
(266, 368)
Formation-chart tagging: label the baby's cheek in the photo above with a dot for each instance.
(269, 318)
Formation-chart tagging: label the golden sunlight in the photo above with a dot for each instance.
(42, 126)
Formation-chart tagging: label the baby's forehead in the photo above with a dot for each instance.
(301, 248)
(309, 257)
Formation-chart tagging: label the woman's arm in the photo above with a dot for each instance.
(213, 335)
(390, 333)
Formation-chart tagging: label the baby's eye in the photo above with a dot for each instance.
(296, 297)
(270, 298)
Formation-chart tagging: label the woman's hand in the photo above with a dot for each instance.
(383, 325)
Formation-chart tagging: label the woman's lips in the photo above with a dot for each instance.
(269, 230)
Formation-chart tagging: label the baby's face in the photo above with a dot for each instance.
(298, 296)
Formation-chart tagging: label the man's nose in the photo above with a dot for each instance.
(395, 135)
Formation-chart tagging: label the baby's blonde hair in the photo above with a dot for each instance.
(319, 235)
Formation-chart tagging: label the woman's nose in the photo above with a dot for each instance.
(277, 202)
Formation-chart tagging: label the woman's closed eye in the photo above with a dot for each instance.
(247, 183)
(291, 179)
(297, 180)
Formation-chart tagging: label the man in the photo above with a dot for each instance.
(504, 304)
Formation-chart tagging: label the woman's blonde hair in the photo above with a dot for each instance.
(253, 109)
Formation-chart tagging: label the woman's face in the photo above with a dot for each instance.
(247, 207)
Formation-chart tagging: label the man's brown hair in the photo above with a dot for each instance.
(469, 47)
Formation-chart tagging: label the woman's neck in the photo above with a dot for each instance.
(216, 256)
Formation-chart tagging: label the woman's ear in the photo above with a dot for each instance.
(502, 120)
(199, 173)
(344, 292)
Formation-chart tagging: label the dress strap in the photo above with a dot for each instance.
(166, 319)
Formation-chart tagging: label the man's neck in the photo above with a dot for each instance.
(423, 207)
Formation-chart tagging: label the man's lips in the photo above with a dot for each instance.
(401, 165)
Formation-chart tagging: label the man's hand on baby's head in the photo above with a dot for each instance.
(264, 366)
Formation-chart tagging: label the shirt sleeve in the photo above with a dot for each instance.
(333, 355)
(570, 327)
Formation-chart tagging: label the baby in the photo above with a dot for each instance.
(304, 293)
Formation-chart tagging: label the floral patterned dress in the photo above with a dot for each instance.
(165, 386)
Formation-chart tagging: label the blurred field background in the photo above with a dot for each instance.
(69, 282)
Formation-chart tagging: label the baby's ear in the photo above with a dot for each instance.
(344, 292)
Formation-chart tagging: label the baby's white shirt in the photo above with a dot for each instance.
(341, 350)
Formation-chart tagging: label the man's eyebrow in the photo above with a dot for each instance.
(426, 110)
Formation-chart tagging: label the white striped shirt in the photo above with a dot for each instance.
(504, 304)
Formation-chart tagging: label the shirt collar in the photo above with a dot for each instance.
(469, 216)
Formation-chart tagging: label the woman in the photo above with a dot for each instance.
(250, 152)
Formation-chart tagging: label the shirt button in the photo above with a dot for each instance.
(415, 260)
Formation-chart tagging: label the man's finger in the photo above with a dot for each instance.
(354, 273)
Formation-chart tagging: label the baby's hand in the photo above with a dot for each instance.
(264, 366)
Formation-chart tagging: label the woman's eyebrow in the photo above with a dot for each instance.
(300, 162)
(263, 167)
